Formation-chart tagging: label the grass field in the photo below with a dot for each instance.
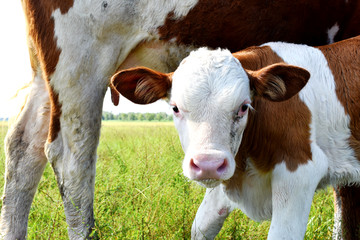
(140, 192)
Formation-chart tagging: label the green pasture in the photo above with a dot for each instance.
(140, 192)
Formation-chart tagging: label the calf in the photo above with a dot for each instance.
(260, 131)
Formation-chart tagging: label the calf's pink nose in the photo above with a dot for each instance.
(207, 167)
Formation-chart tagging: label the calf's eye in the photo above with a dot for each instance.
(244, 107)
(175, 109)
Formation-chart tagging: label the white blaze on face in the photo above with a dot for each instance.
(210, 95)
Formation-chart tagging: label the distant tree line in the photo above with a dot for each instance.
(137, 116)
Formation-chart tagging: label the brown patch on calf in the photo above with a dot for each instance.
(43, 47)
(344, 61)
(255, 58)
(239, 24)
(276, 131)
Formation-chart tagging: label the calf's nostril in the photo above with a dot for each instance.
(222, 167)
(194, 166)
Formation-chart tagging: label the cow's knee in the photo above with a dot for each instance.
(210, 217)
(72, 155)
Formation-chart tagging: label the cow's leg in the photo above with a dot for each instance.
(350, 211)
(337, 231)
(77, 88)
(71, 150)
(25, 161)
(292, 194)
(213, 211)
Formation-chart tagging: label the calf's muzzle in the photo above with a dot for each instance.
(207, 166)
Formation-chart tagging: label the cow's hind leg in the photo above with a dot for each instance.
(337, 231)
(350, 211)
(25, 161)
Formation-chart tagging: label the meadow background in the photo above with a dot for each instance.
(140, 191)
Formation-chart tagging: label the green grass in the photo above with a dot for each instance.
(140, 192)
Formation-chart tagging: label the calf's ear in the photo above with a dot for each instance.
(278, 82)
(141, 85)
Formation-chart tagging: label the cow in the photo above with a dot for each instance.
(76, 46)
(262, 129)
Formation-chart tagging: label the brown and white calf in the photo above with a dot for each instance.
(260, 131)
(75, 46)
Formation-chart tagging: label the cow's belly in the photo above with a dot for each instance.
(158, 55)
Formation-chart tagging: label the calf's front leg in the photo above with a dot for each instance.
(292, 194)
(210, 217)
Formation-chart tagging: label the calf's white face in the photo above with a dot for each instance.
(210, 97)
(210, 94)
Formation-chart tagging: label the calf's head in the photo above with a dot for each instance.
(210, 94)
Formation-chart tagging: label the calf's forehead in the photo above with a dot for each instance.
(210, 78)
